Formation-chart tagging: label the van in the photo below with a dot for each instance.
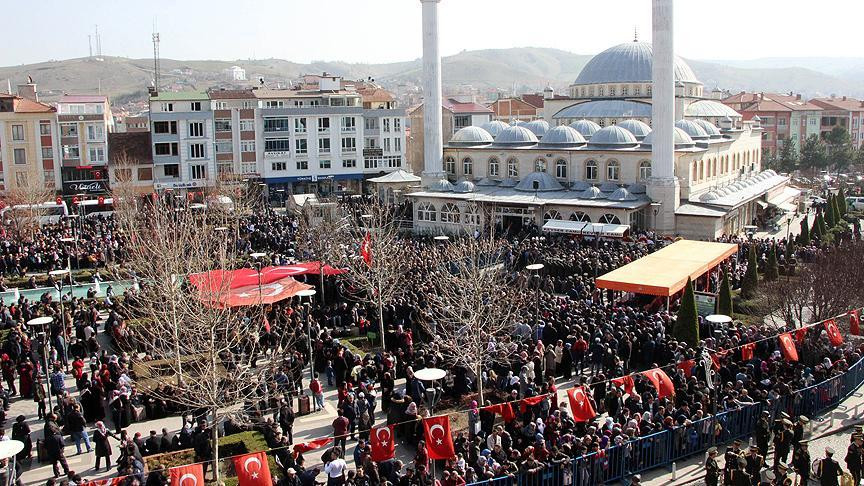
(49, 212)
(856, 203)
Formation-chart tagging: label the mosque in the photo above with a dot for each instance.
(601, 167)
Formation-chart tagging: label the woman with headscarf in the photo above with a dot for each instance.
(25, 378)
(21, 432)
(102, 446)
(473, 420)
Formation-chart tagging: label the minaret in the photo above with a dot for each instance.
(433, 142)
(663, 186)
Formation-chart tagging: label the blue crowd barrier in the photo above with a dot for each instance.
(662, 448)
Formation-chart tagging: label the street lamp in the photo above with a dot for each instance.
(42, 322)
(535, 269)
(308, 293)
(257, 257)
(62, 274)
(69, 259)
(655, 208)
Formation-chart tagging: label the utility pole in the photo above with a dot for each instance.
(155, 37)
(90, 44)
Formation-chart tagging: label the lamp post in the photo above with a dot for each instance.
(535, 269)
(308, 293)
(655, 208)
(258, 257)
(42, 322)
(263, 187)
(69, 258)
(62, 274)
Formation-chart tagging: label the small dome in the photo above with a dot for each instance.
(537, 127)
(592, 192)
(579, 186)
(487, 182)
(770, 172)
(516, 136)
(695, 131)
(517, 123)
(622, 194)
(723, 191)
(709, 196)
(638, 128)
(441, 185)
(563, 136)
(710, 128)
(464, 186)
(470, 137)
(682, 140)
(508, 182)
(737, 186)
(586, 128)
(494, 127)
(636, 188)
(709, 109)
(614, 137)
(545, 183)
(609, 187)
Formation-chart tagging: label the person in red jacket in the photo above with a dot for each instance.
(317, 393)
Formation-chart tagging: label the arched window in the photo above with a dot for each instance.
(613, 170)
(450, 165)
(551, 214)
(714, 167)
(645, 170)
(648, 89)
(426, 212)
(695, 176)
(513, 168)
(449, 213)
(580, 216)
(624, 90)
(493, 167)
(601, 122)
(611, 90)
(472, 215)
(561, 169)
(591, 170)
(467, 166)
(600, 91)
(610, 219)
(540, 165)
(701, 170)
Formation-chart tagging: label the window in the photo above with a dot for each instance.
(450, 165)
(323, 125)
(167, 106)
(461, 121)
(637, 90)
(196, 129)
(591, 170)
(625, 91)
(171, 170)
(323, 145)
(349, 163)
(165, 127)
(370, 124)
(96, 153)
(303, 164)
(145, 173)
(386, 122)
(300, 125)
(512, 168)
(611, 90)
(20, 156)
(224, 169)
(324, 163)
(195, 106)
(44, 128)
(279, 166)
(613, 170)
(68, 130)
(198, 171)
(197, 151)
(645, 170)
(540, 165)
(426, 212)
(551, 214)
(467, 166)
(394, 162)
(222, 125)
(18, 133)
(449, 213)
(277, 145)
(600, 91)
(220, 105)
(301, 146)
(386, 144)
(561, 169)
(397, 125)
(95, 133)
(648, 89)
(609, 219)
(276, 124)
(247, 125)
(47, 153)
(224, 147)
(349, 144)
(274, 104)
(165, 148)
(580, 216)
(370, 143)
(397, 144)
(493, 167)
(71, 152)
(247, 146)
(123, 175)
(349, 124)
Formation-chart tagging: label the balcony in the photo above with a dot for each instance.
(277, 154)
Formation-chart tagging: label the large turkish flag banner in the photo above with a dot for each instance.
(787, 345)
(383, 445)
(686, 366)
(661, 382)
(747, 351)
(855, 322)
(191, 475)
(439, 442)
(252, 470)
(626, 382)
(312, 445)
(580, 405)
(833, 333)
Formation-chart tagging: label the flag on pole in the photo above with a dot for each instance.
(253, 470)
(747, 351)
(661, 382)
(439, 441)
(626, 382)
(580, 405)
(787, 345)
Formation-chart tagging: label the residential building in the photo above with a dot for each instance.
(234, 131)
(131, 123)
(29, 142)
(85, 121)
(843, 112)
(182, 133)
(130, 159)
(235, 73)
(525, 107)
(455, 115)
(782, 117)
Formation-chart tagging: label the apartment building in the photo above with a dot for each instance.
(182, 133)
(84, 122)
(130, 158)
(525, 107)
(234, 131)
(843, 112)
(29, 142)
(783, 117)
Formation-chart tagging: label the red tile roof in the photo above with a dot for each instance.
(845, 103)
(459, 107)
(533, 100)
(231, 94)
(83, 99)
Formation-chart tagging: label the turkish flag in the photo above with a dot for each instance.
(505, 410)
(312, 445)
(191, 475)
(383, 446)
(833, 333)
(687, 367)
(747, 351)
(530, 402)
(787, 345)
(854, 322)
(439, 442)
(580, 405)
(366, 249)
(105, 482)
(715, 358)
(661, 382)
(626, 382)
(800, 334)
(253, 470)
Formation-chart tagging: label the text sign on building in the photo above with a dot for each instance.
(90, 187)
(373, 152)
(705, 303)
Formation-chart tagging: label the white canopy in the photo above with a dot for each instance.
(588, 229)
(397, 176)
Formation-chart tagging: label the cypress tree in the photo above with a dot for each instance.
(687, 325)
(772, 271)
(804, 237)
(835, 208)
(751, 278)
(815, 230)
(790, 250)
(823, 228)
(724, 299)
(830, 217)
(841, 202)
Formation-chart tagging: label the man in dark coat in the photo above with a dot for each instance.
(829, 470)
(54, 445)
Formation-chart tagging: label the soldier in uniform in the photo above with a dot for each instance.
(731, 458)
(801, 463)
(829, 470)
(763, 433)
(782, 443)
(755, 462)
(712, 470)
(739, 476)
(798, 431)
(782, 476)
(855, 457)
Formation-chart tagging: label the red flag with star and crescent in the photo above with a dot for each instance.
(833, 333)
(505, 410)
(747, 351)
(105, 482)
(253, 470)
(855, 322)
(366, 249)
(190, 475)
(661, 382)
(580, 405)
(787, 345)
(439, 442)
(383, 445)
(626, 382)
(686, 366)
(530, 402)
(312, 445)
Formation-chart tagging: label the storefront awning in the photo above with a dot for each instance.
(786, 199)
(586, 229)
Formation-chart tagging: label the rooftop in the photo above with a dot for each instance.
(459, 107)
(26, 105)
(83, 99)
(231, 94)
(134, 145)
(180, 96)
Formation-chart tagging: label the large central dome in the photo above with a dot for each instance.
(625, 63)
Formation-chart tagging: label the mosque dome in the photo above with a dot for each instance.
(638, 128)
(682, 140)
(622, 194)
(494, 127)
(628, 62)
(563, 136)
(636, 188)
(441, 185)
(516, 136)
(710, 128)
(605, 109)
(487, 182)
(508, 182)
(709, 109)
(586, 128)
(537, 127)
(613, 137)
(709, 196)
(579, 186)
(464, 186)
(609, 187)
(695, 131)
(470, 137)
(592, 192)
(545, 183)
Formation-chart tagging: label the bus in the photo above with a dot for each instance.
(94, 207)
(48, 212)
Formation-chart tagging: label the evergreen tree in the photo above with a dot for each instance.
(835, 209)
(790, 250)
(814, 155)
(772, 271)
(823, 228)
(724, 299)
(816, 230)
(804, 237)
(830, 217)
(751, 277)
(787, 159)
(841, 202)
(686, 327)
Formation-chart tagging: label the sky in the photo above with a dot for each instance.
(390, 30)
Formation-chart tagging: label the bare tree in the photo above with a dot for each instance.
(29, 191)
(474, 306)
